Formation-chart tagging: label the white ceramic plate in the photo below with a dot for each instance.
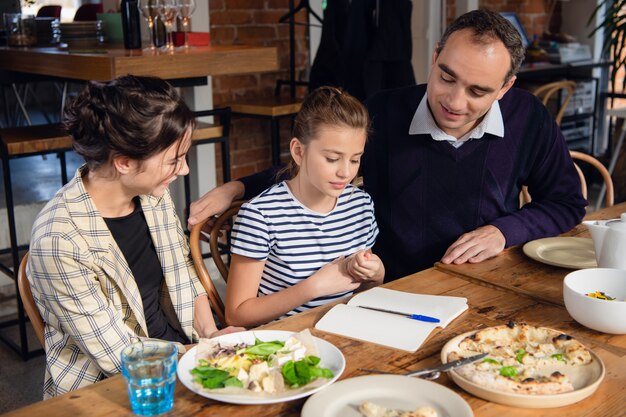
(391, 391)
(566, 252)
(330, 356)
(585, 379)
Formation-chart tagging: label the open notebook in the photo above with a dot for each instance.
(390, 329)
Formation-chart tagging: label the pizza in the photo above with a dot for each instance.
(522, 359)
(369, 409)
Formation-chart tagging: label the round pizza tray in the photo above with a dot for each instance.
(585, 379)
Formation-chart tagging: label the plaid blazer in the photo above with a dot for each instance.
(86, 292)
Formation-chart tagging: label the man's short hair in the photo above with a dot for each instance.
(488, 26)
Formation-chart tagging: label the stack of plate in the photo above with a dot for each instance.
(82, 33)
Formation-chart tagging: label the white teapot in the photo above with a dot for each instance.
(609, 239)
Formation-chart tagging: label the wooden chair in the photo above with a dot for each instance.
(271, 108)
(546, 91)
(29, 302)
(216, 255)
(49, 11)
(198, 260)
(214, 237)
(88, 12)
(217, 306)
(606, 177)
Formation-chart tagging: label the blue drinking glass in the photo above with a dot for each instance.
(149, 367)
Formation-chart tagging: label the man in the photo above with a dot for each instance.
(447, 160)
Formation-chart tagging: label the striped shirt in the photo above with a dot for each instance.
(295, 241)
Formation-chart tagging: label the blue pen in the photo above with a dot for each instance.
(419, 317)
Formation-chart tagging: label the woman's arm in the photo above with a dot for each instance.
(70, 290)
(203, 322)
(244, 308)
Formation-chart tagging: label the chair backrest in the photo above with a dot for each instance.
(546, 91)
(29, 302)
(217, 232)
(49, 11)
(203, 274)
(88, 12)
(606, 177)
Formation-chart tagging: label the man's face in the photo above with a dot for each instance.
(465, 79)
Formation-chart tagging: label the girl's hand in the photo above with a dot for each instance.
(332, 278)
(364, 266)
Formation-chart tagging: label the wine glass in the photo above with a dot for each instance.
(149, 11)
(187, 7)
(168, 11)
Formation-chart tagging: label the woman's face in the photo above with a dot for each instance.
(152, 176)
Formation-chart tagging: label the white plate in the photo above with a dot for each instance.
(585, 379)
(330, 356)
(391, 391)
(566, 252)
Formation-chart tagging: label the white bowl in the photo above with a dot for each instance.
(601, 315)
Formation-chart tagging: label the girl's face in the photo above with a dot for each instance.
(153, 175)
(330, 161)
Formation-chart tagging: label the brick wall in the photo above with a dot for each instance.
(532, 13)
(253, 22)
(256, 22)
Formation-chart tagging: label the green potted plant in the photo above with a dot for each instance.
(613, 27)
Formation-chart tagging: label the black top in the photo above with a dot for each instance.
(132, 235)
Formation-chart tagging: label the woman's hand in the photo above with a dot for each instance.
(227, 330)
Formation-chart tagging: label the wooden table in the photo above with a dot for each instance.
(490, 303)
(514, 271)
(106, 64)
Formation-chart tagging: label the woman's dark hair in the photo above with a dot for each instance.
(327, 107)
(130, 116)
(488, 26)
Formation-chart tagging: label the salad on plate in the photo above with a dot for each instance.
(263, 367)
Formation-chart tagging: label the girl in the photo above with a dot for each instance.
(108, 257)
(306, 241)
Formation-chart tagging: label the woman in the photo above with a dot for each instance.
(109, 261)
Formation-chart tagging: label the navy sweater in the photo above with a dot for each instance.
(427, 193)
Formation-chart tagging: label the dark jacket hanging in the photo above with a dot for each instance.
(365, 46)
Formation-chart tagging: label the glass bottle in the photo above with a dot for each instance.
(130, 24)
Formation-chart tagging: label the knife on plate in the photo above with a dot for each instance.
(436, 370)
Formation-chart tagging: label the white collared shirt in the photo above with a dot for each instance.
(423, 123)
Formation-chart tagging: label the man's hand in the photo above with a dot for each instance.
(475, 246)
(214, 202)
